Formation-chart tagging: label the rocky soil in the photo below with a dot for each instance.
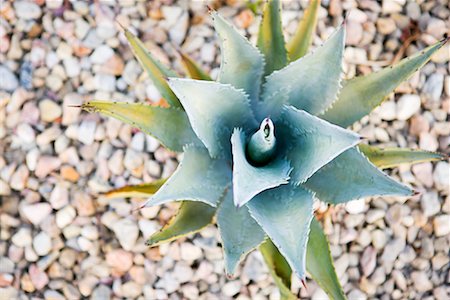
(61, 240)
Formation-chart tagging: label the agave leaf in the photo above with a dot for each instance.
(292, 85)
(261, 178)
(240, 233)
(140, 190)
(198, 178)
(169, 125)
(360, 178)
(285, 213)
(190, 218)
(299, 44)
(194, 71)
(310, 142)
(155, 70)
(320, 264)
(278, 268)
(242, 64)
(270, 37)
(214, 109)
(392, 157)
(360, 95)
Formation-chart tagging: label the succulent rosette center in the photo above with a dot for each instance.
(262, 145)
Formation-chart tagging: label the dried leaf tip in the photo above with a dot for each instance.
(138, 208)
(346, 16)
(304, 283)
(210, 9)
(121, 26)
(445, 39)
(416, 193)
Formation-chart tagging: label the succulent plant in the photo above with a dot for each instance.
(265, 141)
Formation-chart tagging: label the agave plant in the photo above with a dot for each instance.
(265, 141)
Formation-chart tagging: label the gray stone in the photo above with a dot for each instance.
(407, 106)
(441, 176)
(36, 213)
(421, 281)
(86, 132)
(72, 66)
(65, 216)
(105, 82)
(42, 243)
(433, 87)
(441, 225)
(9, 81)
(101, 54)
(430, 203)
(27, 10)
(22, 238)
(126, 232)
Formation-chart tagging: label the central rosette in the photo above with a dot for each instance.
(262, 145)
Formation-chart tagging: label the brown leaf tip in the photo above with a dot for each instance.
(304, 283)
(445, 39)
(416, 193)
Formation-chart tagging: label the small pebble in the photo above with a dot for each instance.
(42, 243)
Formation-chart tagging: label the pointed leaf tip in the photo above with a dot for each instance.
(279, 269)
(299, 44)
(360, 95)
(392, 157)
(274, 211)
(169, 125)
(242, 65)
(190, 218)
(360, 177)
(157, 72)
(140, 190)
(270, 37)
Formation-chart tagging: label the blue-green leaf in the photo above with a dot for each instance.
(351, 176)
(310, 142)
(239, 232)
(310, 83)
(360, 95)
(242, 64)
(270, 37)
(319, 263)
(249, 180)
(285, 213)
(155, 69)
(392, 157)
(214, 109)
(169, 125)
(190, 218)
(279, 269)
(198, 178)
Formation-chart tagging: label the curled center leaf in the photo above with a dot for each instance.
(262, 144)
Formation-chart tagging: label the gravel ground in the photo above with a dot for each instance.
(60, 239)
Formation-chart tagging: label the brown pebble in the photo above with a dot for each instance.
(69, 173)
